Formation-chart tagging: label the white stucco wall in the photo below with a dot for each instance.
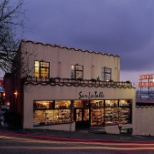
(70, 93)
(67, 57)
(144, 121)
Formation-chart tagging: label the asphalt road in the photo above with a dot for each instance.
(13, 144)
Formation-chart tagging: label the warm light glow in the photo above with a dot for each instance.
(16, 93)
(3, 94)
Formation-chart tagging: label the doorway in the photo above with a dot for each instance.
(81, 117)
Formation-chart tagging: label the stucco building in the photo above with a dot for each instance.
(64, 88)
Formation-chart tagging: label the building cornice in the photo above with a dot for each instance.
(68, 48)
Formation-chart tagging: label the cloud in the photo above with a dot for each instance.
(120, 27)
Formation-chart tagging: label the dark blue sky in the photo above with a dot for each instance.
(120, 27)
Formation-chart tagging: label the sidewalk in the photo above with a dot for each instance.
(79, 135)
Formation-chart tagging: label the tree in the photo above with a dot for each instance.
(11, 22)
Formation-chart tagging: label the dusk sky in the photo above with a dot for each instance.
(119, 27)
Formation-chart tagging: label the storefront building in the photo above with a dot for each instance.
(67, 89)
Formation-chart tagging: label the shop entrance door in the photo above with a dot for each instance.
(82, 118)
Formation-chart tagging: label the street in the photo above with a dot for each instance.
(11, 144)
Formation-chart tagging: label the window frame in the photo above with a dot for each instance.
(43, 69)
(50, 114)
(106, 74)
(75, 69)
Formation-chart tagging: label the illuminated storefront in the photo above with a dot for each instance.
(68, 89)
(84, 112)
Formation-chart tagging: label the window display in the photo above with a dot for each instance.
(111, 115)
(62, 104)
(97, 116)
(97, 103)
(81, 104)
(86, 115)
(99, 112)
(115, 112)
(125, 111)
(124, 102)
(78, 114)
(46, 114)
(111, 103)
(43, 105)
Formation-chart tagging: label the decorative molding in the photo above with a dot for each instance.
(75, 82)
(64, 47)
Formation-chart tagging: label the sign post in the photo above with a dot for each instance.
(120, 127)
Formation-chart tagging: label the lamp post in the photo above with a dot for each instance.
(120, 127)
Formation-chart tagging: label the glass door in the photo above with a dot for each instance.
(82, 118)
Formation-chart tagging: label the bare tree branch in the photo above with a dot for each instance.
(9, 22)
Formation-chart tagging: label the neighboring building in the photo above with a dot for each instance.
(2, 94)
(144, 120)
(64, 88)
(9, 93)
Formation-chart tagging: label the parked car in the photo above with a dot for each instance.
(5, 108)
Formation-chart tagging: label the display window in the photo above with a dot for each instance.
(97, 116)
(124, 102)
(62, 104)
(50, 112)
(43, 105)
(117, 111)
(78, 114)
(97, 103)
(111, 103)
(111, 115)
(124, 115)
(81, 104)
(99, 112)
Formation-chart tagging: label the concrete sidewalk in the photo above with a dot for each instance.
(79, 135)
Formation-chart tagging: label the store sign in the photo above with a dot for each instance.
(90, 95)
(146, 80)
(146, 76)
(146, 84)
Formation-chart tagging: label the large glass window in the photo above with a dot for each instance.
(97, 112)
(81, 104)
(77, 71)
(111, 112)
(97, 103)
(41, 69)
(106, 74)
(62, 104)
(51, 112)
(117, 111)
(125, 108)
(43, 105)
(97, 116)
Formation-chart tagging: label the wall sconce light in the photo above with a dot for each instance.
(4, 94)
(16, 93)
